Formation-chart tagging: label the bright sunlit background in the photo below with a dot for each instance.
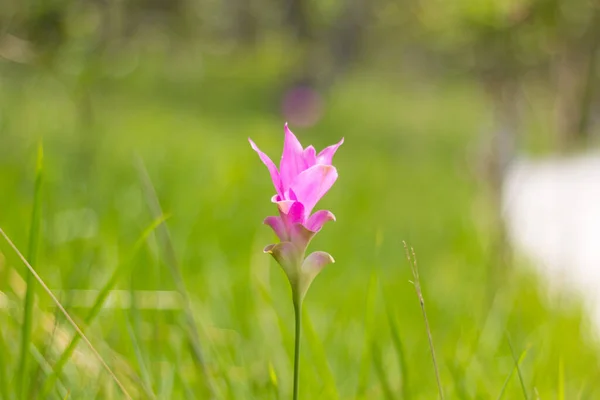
(439, 102)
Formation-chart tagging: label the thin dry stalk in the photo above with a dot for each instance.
(412, 261)
(65, 313)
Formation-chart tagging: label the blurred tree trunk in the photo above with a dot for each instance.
(346, 36)
(244, 27)
(297, 19)
(576, 80)
(501, 148)
(329, 53)
(498, 67)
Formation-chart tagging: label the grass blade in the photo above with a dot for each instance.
(167, 381)
(459, 380)
(320, 358)
(365, 364)
(398, 347)
(380, 370)
(3, 376)
(146, 378)
(512, 371)
(417, 284)
(46, 368)
(32, 251)
(45, 353)
(561, 379)
(98, 304)
(512, 352)
(170, 258)
(65, 313)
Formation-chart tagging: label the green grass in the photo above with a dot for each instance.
(32, 252)
(406, 173)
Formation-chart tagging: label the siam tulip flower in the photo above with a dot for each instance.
(302, 179)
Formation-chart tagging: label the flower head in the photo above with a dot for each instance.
(302, 179)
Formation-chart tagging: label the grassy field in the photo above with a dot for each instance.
(407, 172)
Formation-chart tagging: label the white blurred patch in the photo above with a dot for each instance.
(124, 299)
(552, 213)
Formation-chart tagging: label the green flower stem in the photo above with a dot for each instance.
(298, 321)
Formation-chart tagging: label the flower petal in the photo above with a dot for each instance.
(301, 236)
(310, 156)
(326, 155)
(291, 211)
(276, 223)
(315, 222)
(284, 205)
(292, 159)
(315, 262)
(289, 257)
(312, 265)
(270, 166)
(295, 214)
(313, 183)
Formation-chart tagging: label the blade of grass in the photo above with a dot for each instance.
(146, 378)
(458, 377)
(41, 362)
(512, 352)
(83, 358)
(46, 350)
(365, 364)
(133, 329)
(561, 379)
(273, 380)
(412, 261)
(3, 363)
(46, 368)
(380, 370)
(398, 347)
(65, 313)
(320, 358)
(32, 251)
(179, 366)
(172, 263)
(261, 286)
(97, 306)
(512, 371)
(167, 381)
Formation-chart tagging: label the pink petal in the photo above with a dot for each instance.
(315, 222)
(310, 156)
(276, 223)
(295, 214)
(270, 166)
(300, 236)
(292, 211)
(326, 155)
(313, 183)
(292, 160)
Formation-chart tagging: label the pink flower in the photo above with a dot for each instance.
(301, 181)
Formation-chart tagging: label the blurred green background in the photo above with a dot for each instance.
(434, 100)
